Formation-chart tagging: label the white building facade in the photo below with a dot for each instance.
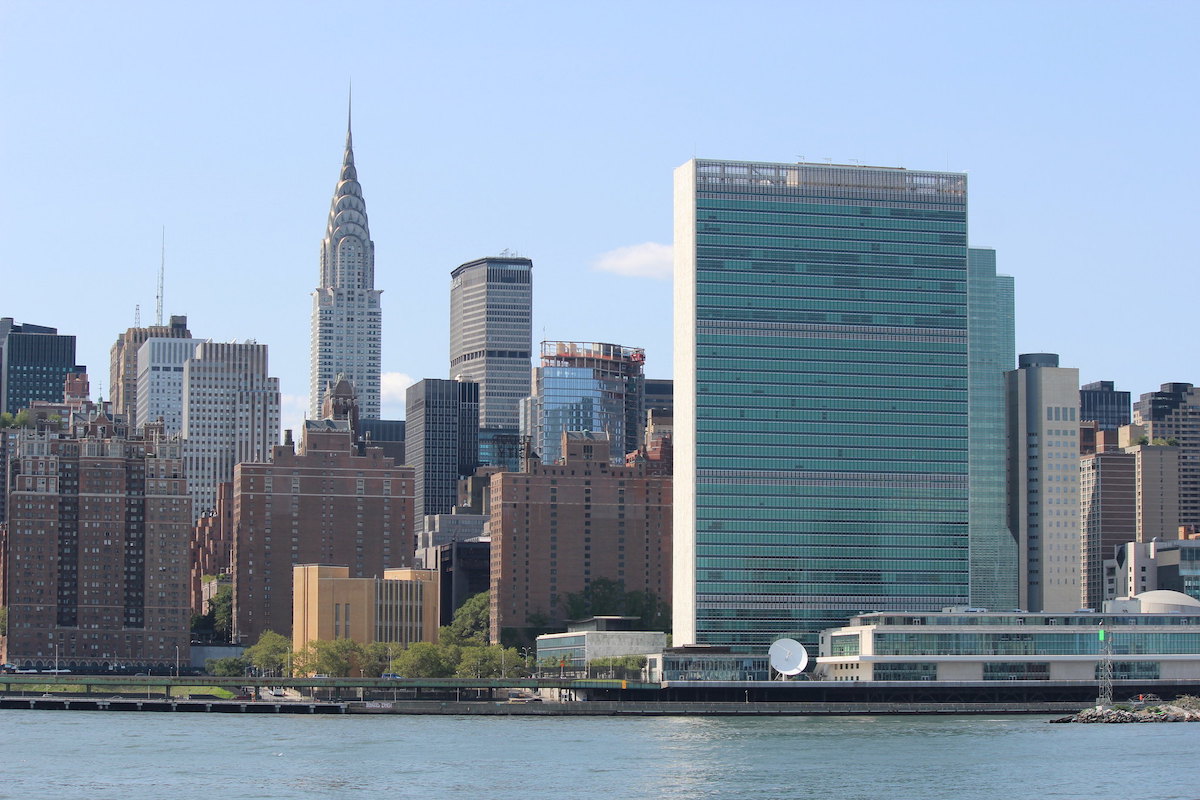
(230, 415)
(346, 320)
(160, 382)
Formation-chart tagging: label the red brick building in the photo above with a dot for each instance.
(557, 527)
(321, 504)
(212, 548)
(96, 552)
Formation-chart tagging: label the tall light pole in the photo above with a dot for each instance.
(526, 651)
(176, 661)
(56, 658)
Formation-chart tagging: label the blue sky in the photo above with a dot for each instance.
(552, 129)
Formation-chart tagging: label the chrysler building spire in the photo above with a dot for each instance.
(346, 321)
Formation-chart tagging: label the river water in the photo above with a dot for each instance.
(143, 756)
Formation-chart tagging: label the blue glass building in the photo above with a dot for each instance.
(586, 386)
(822, 377)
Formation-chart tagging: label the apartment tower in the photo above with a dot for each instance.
(556, 528)
(321, 504)
(97, 551)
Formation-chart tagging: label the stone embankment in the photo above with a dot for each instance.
(1156, 713)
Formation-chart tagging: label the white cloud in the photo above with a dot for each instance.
(646, 260)
(393, 386)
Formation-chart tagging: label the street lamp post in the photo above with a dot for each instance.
(527, 651)
(176, 661)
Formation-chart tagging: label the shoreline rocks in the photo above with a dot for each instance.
(1156, 713)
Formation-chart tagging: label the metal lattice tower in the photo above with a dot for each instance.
(1106, 670)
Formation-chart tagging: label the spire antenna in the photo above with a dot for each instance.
(162, 266)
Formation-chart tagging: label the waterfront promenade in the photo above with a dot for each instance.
(558, 696)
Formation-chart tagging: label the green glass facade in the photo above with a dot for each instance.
(822, 357)
(991, 336)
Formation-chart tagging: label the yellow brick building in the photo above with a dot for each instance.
(328, 604)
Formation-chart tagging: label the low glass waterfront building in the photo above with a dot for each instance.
(981, 645)
(593, 638)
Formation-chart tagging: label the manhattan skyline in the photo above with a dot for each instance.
(553, 132)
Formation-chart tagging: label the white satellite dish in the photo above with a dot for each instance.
(788, 657)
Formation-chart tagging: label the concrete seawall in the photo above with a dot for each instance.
(543, 709)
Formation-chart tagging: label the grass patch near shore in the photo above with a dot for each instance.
(133, 692)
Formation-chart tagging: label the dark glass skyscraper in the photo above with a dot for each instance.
(821, 381)
(1100, 402)
(34, 364)
(441, 442)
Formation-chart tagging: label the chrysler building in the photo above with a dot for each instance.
(346, 322)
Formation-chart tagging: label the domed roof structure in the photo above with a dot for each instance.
(1168, 596)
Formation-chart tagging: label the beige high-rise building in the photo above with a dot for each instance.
(400, 608)
(1157, 475)
(1043, 430)
(1129, 492)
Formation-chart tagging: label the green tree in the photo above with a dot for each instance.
(470, 624)
(376, 659)
(3, 621)
(493, 661)
(21, 419)
(226, 667)
(655, 615)
(624, 667)
(604, 597)
(221, 608)
(427, 660)
(341, 658)
(601, 597)
(270, 653)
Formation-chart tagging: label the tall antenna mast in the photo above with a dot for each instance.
(137, 316)
(162, 265)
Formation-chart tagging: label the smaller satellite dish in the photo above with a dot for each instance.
(788, 657)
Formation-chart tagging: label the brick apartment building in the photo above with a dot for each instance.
(96, 550)
(321, 504)
(557, 527)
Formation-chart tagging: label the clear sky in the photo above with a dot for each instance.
(551, 129)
